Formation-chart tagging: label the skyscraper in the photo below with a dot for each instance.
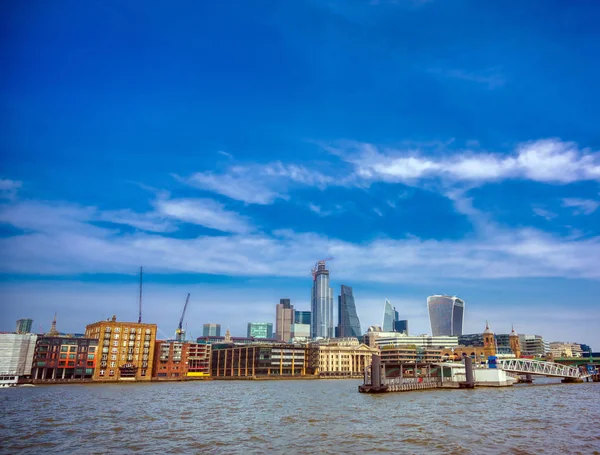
(321, 325)
(348, 323)
(389, 316)
(302, 317)
(284, 318)
(24, 325)
(446, 315)
(260, 330)
(401, 326)
(211, 330)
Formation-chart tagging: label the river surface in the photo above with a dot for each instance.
(308, 416)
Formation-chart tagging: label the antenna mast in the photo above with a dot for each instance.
(140, 305)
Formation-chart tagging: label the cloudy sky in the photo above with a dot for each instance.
(427, 146)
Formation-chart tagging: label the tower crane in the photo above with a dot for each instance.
(180, 333)
(315, 269)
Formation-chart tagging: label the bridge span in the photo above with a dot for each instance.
(540, 368)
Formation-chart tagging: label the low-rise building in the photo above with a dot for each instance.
(560, 349)
(16, 356)
(374, 338)
(410, 354)
(126, 350)
(342, 357)
(180, 360)
(62, 358)
(259, 361)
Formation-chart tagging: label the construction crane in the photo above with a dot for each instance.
(140, 303)
(315, 269)
(180, 333)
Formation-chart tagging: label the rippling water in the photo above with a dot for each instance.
(324, 416)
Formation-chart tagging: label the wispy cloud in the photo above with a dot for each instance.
(9, 188)
(548, 161)
(544, 213)
(492, 78)
(581, 206)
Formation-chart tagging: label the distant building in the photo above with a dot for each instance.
(59, 358)
(321, 303)
(446, 315)
(533, 346)
(24, 325)
(348, 323)
(126, 350)
(393, 355)
(300, 331)
(515, 343)
(16, 356)
(389, 316)
(237, 341)
(561, 349)
(284, 318)
(260, 330)
(211, 330)
(401, 326)
(489, 342)
(394, 339)
(176, 360)
(302, 317)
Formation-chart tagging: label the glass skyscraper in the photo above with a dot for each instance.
(389, 316)
(211, 330)
(321, 325)
(302, 317)
(446, 315)
(260, 330)
(24, 325)
(348, 323)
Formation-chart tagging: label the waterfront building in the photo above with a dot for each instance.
(561, 349)
(389, 316)
(284, 318)
(126, 350)
(16, 356)
(381, 339)
(457, 353)
(302, 317)
(176, 360)
(533, 346)
(258, 361)
(515, 344)
(321, 303)
(300, 332)
(342, 357)
(24, 325)
(211, 330)
(260, 330)
(489, 342)
(61, 358)
(348, 323)
(446, 315)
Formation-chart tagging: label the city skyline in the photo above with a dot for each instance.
(422, 150)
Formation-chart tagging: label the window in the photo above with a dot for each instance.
(71, 364)
(116, 336)
(63, 356)
(64, 348)
(115, 343)
(112, 364)
(101, 372)
(91, 356)
(148, 331)
(111, 373)
(113, 357)
(117, 330)
(114, 350)
(71, 356)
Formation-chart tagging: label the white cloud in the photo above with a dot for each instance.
(548, 161)
(149, 221)
(539, 211)
(581, 206)
(203, 212)
(9, 188)
(492, 78)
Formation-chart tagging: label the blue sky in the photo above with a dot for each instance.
(428, 146)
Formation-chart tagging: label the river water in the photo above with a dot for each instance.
(308, 416)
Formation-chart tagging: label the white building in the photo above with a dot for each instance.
(396, 339)
(16, 356)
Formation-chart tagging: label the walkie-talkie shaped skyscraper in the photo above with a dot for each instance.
(446, 314)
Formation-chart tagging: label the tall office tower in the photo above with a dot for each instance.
(389, 316)
(24, 325)
(284, 318)
(260, 330)
(321, 325)
(211, 330)
(302, 317)
(348, 323)
(446, 315)
(401, 326)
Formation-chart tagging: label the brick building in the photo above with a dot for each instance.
(58, 358)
